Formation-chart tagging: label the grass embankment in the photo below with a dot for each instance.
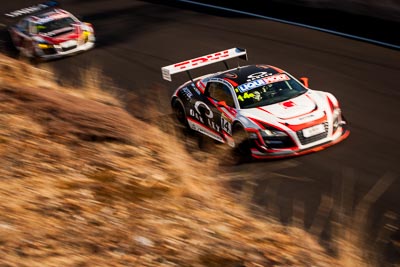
(83, 183)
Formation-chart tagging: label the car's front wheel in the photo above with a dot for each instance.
(28, 49)
(241, 151)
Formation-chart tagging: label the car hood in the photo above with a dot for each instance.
(62, 35)
(291, 108)
(296, 111)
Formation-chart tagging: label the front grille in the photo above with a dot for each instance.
(69, 48)
(279, 142)
(311, 139)
(49, 51)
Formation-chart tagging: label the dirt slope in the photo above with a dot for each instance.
(83, 183)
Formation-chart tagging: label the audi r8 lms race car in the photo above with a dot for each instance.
(261, 111)
(46, 31)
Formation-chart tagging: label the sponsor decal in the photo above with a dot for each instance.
(314, 130)
(186, 92)
(276, 78)
(195, 87)
(205, 117)
(263, 81)
(262, 66)
(251, 85)
(244, 96)
(25, 11)
(288, 104)
(52, 17)
(225, 82)
(201, 60)
(199, 104)
(306, 117)
(231, 75)
(258, 75)
(197, 90)
(204, 131)
(50, 34)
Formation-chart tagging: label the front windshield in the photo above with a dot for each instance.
(55, 25)
(268, 91)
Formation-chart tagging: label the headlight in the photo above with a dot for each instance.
(337, 112)
(253, 136)
(272, 132)
(45, 46)
(274, 138)
(336, 118)
(86, 27)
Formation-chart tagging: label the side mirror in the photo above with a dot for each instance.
(222, 104)
(304, 81)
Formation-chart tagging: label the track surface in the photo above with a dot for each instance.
(137, 38)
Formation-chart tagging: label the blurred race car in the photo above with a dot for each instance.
(259, 110)
(46, 31)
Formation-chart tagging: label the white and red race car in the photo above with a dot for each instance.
(46, 31)
(259, 110)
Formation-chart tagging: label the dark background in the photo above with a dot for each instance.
(317, 192)
(377, 20)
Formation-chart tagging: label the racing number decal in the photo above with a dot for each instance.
(226, 125)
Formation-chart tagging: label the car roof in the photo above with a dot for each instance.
(49, 15)
(248, 73)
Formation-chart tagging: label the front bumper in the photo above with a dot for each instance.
(58, 52)
(284, 153)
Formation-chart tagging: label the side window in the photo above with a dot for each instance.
(24, 26)
(220, 92)
(33, 28)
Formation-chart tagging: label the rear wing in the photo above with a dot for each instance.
(190, 64)
(32, 9)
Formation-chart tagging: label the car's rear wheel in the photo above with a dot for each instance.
(179, 112)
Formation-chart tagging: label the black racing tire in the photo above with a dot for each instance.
(29, 45)
(33, 58)
(241, 152)
(179, 112)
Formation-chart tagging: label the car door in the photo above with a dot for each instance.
(220, 95)
(200, 112)
(21, 36)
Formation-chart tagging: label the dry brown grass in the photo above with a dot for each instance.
(83, 183)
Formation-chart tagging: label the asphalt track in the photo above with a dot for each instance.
(137, 38)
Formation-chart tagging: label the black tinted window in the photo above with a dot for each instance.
(220, 92)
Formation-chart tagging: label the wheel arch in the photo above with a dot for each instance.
(175, 100)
